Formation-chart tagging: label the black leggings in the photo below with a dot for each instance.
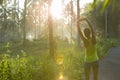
(94, 67)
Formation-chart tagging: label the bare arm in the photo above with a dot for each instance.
(79, 30)
(93, 35)
(90, 26)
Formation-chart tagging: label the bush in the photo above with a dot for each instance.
(14, 68)
(104, 44)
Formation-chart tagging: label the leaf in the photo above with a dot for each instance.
(94, 3)
(106, 3)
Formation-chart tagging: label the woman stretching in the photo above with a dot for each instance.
(91, 57)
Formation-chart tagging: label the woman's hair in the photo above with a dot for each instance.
(87, 32)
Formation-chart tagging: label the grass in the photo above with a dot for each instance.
(33, 62)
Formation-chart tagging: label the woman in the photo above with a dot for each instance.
(91, 57)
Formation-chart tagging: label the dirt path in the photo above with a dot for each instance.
(109, 67)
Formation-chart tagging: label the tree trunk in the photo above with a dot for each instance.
(50, 25)
(24, 32)
(78, 25)
(71, 18)
(106, 24)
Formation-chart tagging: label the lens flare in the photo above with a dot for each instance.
(61, 77)
(59, 59)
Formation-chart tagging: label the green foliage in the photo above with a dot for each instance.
(108, 21)
(15, 68)
(44, 68)
(33, 66)
(104, 44)
(26, 67)
(105, 5)
(5, 68)
(73, 64)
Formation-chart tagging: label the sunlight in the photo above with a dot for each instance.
(66, 2)
(84, 2)
(61, 76)
(56, 8)
(21, 4)
(30, 37)
(59, 59)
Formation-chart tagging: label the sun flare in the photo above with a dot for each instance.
(56, 8)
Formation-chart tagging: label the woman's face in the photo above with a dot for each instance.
(87, 32)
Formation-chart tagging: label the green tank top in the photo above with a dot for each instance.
(91, 53)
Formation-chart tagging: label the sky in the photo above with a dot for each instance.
(21, 3)
(56, 7)
(82, 2)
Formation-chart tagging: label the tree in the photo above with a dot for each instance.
(113, 20)
(24, 26)
(102, 21)
(50, 25)
(106, 3)
(9, 21)
(71, 18)
(78, 24)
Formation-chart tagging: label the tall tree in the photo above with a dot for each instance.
(107, 25)
(71, 17)
(8, 19)
(50, 25)
(78, 25)
(24, 27)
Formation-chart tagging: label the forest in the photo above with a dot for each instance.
(40, 39)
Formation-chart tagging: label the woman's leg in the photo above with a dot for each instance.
(87, 71)
(95, 70)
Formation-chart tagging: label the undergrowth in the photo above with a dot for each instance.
(33, 62)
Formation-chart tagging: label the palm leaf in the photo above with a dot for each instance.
(106, 3)
(94, 3)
